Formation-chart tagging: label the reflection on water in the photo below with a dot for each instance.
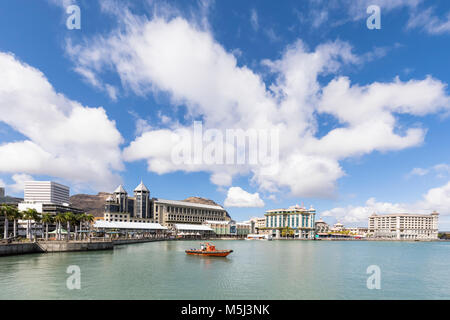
(255, 270)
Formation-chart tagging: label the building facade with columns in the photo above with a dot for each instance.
(404, 226)
(296, 218)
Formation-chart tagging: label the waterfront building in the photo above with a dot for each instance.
(121, 199)
(298, 219)
(142, 209)
(258, 225)
(170, 212)
(131, 228)
(44, 197)
(49, 208)
(220, 228)
(123, 217)
(47, 192)
(229, 227)
(142, 202)
(121, 208)
(404, 226)
(47, 197)
(192, 230)
(337, 227)
(321, 226)
(357, 231)
(243, 229)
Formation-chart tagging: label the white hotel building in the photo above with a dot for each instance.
(300, 219)
(404, 226)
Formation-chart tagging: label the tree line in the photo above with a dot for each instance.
(70, 219)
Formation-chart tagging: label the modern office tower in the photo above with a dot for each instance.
(121, 208)
(121, 196)
(45, 197)
(296, 218)
(47, 192)
(2, 192)
(404, 226)
(141, 202)
(111, 205)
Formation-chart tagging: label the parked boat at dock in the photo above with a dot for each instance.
(259, 237)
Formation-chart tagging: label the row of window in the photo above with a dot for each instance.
(126, 220)
(292, 221)
(174, 217)
(213, 213)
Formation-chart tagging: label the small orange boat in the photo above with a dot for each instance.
(208, 249)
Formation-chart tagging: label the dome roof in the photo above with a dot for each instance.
(141, 187)
(120, 189)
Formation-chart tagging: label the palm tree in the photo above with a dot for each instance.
(69, 216)
(37, 219)
(4, 211)
(30, 214)
(89, 219)
(78, 218)
(16, 215)
(47, 218)
(11, 213)
(82, 219)
(59, 219)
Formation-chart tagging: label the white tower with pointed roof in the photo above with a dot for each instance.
(121, 196)
(142, 201)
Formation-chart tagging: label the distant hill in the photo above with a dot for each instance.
(92, 204)
(10, 200)
(203, 201)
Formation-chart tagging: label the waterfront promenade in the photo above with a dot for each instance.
(42, 246)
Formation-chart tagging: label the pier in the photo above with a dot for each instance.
(18, 248)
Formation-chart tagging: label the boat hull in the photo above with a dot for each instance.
(218, 253)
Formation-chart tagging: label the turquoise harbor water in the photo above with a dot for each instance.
(255, 270)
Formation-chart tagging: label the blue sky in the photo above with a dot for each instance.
(311, 67)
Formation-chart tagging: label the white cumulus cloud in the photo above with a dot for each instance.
(177, 57)
(63, 138)
(238, 197)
